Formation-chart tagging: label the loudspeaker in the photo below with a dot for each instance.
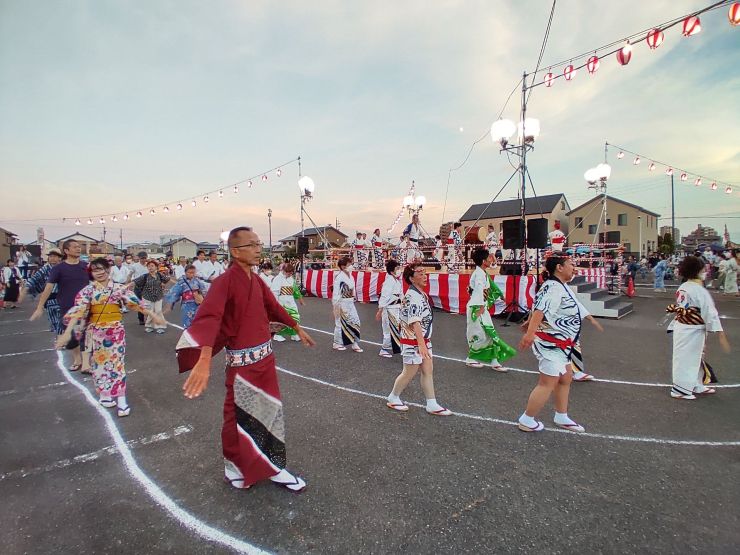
(512, 268)
(537, 233)
(513, 234)
(301, 245)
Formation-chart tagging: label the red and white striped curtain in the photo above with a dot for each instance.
(448, 292)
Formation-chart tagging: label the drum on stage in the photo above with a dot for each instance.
(474, 234)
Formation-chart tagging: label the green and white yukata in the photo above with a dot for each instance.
(484, 344)
(286, 289)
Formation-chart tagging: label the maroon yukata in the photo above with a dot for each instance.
(236, 314)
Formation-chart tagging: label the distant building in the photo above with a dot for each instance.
(7, 238)
(45, 245)
(90, 246)
(181, 246)
(701, 236)
(315, 240)
(153, 250)
(169, 238)
(208, 247)
(624, 223)
(666, 229)
(552, 207)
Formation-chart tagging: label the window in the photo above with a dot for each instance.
(562, 205)
(628, 247)
(592, 229)
(608, 221)
(579, 223)
(622, 219)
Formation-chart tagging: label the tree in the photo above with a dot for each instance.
(665, 244)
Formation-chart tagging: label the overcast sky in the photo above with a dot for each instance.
(116, 106)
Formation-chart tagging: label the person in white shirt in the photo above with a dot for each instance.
(218, 268)
(182, 263)
(413, 231)
(119, 272)
(203, 267)
(557, 238)
(139, 268)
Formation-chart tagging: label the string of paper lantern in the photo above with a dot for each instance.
(654, 37)
(179, 204)
(403, 208)
(671, 169)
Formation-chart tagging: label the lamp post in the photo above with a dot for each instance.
(528, 129)
(413, 203)
(596, 179)
(307, 187)
(269, 227)
(639, 225)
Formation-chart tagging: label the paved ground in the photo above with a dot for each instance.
(380, 482)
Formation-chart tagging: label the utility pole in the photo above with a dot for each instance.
(120, 237)
(336, 223)
(105, 247)
(673, 215)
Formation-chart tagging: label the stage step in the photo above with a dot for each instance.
(598, 301)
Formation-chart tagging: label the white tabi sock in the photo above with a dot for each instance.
(562, 418)
(527, 420)
(121, 402)
(432, 405)
(394, 399)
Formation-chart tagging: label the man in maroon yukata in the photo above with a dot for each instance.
(236, 314)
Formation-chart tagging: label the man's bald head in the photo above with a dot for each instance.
(233, 239)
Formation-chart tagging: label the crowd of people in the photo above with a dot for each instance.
(245, 306)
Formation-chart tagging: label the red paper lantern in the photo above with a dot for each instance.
(684, 177)
(636, 161)
(593, 64)
(620, 155)
(548, 79)
(651, 167)
(569, 72)
(728, 190)
(698, 182)
(655, 38)
(624, 54)
(669, 171)
(734, 14)
(691, 26)
(714, 186)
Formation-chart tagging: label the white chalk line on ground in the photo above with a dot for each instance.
(23, 333)
(94, 455)
(152, 489)
(36, 388)
(636, 439)
(26, 353)
(523, 371)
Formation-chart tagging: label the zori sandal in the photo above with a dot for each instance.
(539, 426)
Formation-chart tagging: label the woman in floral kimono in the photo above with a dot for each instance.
(286, 290)
(346, 319)
(99, 304)
(484, 344)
